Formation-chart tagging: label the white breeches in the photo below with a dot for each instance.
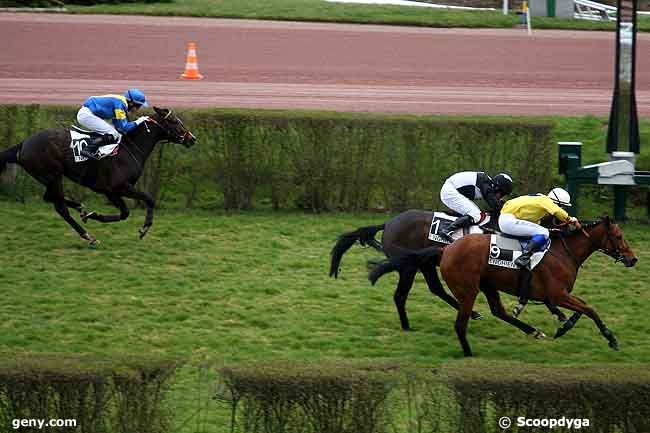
(458, 202)
(511, 225)
(88, 120)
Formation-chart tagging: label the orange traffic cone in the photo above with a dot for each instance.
(191, 65)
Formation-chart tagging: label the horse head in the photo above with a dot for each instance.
(611, 241)
(173, 127)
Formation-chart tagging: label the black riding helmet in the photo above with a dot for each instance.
(503, 182)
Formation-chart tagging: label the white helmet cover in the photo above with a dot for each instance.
(560, 196)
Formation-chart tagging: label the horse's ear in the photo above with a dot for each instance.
(159, 111)
(607, 220)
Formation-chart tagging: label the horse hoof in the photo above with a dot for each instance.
(143, 231)
(477, 316)
(539, 335)
(93, 243)
(614, 345)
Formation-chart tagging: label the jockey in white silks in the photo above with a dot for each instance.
(461, 189)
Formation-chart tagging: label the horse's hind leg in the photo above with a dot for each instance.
(498, 310)
(466, 302)
(118, 202)
(54, 194)
(404, 285)
(435, 287)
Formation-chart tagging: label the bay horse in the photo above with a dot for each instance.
(47, 157)
(464, 267)
(403, 234)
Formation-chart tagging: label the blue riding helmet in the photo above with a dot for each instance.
(136, 96)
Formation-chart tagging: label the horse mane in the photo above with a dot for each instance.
(586, 224)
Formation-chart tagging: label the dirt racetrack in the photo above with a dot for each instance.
(48, 58)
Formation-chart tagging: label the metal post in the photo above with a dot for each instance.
(620, 195)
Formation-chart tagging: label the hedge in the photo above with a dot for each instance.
(317, 161)
(116, 396)
(462, 397)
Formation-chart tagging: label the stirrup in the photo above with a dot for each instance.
(95, 155)
(447, 236)
(523, 261)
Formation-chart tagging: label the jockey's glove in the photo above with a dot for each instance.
(141, 119)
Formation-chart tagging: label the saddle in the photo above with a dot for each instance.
(80, 138)
(441, 221)
(505, 249)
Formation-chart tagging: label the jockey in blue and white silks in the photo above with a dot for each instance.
(96, 112)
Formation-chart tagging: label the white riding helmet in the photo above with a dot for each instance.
(560, 197)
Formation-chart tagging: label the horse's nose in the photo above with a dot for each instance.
(631, 261)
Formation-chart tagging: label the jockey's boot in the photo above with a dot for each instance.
(525, 275)
(92, 148)
(535, 243)
(459, 223)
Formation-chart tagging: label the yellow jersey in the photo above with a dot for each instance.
(533, 208)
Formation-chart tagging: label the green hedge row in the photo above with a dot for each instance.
(318, 161)
(463, 397)
(116, 396)
(328, 396)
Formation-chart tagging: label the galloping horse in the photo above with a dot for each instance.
(406, 232)
(47, 157)
(464, 267)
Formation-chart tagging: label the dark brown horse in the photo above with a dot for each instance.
(406, 232)
(464, 267)
(47, 157)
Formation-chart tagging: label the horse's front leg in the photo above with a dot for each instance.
(555, 311)
(129, 191)
(579, 306)
(118, 202)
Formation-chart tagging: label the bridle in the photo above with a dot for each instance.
(614, 253)
(187, 135)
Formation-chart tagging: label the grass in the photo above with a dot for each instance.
(319, 10)
(254, 286)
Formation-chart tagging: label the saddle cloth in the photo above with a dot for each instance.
(504, 251)
(79, 140)
(440, 223)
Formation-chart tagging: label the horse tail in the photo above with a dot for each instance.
(9, 156)
(364, 235)
(411, 261)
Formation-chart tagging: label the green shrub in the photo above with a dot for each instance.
(117, 396)
(317, 161)
(329, 397)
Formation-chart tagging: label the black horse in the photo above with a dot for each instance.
(404, 234)
(47, 157)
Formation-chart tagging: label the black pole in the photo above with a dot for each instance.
(623, 132)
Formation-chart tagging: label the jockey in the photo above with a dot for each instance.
(459, 191)
(114, 107)
(521, 216)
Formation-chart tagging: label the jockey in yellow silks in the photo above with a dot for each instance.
(521, 217)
